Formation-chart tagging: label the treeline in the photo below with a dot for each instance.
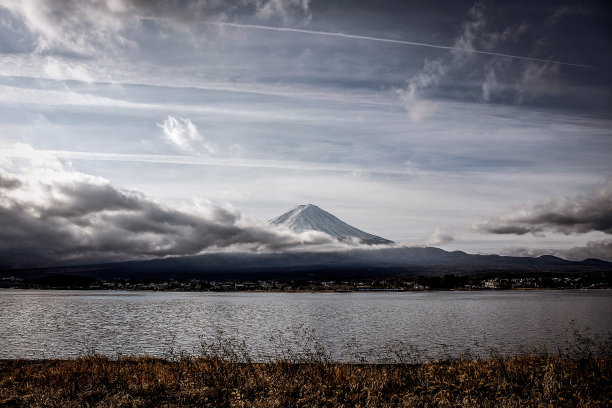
(447, 281)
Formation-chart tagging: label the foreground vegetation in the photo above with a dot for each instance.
(303, 374)
(208, 381)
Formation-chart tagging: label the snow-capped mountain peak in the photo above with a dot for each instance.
(309, 217)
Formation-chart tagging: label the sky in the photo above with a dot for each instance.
(134, 129)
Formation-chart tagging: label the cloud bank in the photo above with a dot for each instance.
(566, 215)
(51, 214)
(593, 249)
(591, 212)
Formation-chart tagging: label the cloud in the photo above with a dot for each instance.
(284, 9)
(538, 75)
(508, 34)
(564, 11)
(51, 214)
(438, 237)
(490, 84)
(8, 183)
(472, 28)
(94, 28)
(82, 28)
(417, 107)
(433, 71)
(581, 214)
(511, 77)
(536, 79)
(183, 134)
(593, 249)
(464, 46)
(535, 75)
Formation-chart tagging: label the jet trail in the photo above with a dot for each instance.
(387, 40)
(206, 161)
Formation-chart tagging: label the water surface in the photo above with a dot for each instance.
(52, 324)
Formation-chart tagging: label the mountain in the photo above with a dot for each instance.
(354, 263)
(309, 217)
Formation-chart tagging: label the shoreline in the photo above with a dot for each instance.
(305, 290)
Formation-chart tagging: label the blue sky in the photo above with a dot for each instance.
(253, 107)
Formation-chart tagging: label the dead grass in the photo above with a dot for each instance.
(303, 375)
(96, 381)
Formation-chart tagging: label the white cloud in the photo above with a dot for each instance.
(284, 9)
(417, 107)
(58, 68)
(72, 26)
(183, 134)
(94, 28)
(439, 237)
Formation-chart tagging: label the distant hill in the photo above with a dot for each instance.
(355, 263)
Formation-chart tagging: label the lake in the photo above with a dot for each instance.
(351, 326)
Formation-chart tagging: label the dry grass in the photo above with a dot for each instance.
(96, 381)
(303, 375)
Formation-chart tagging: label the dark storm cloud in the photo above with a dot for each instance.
(58, 216)
(582, 214)
(81, 199)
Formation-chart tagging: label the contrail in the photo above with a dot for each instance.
(387, 40)
(205, 161)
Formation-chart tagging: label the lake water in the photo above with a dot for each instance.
(52, 324)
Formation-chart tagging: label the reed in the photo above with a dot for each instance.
(579, 375)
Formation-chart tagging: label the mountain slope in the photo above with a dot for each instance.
(354, 263)
(309, 217)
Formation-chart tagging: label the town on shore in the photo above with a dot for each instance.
(414, 283)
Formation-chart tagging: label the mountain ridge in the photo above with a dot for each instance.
(358, 262)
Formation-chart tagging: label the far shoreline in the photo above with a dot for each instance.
(306, 291)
